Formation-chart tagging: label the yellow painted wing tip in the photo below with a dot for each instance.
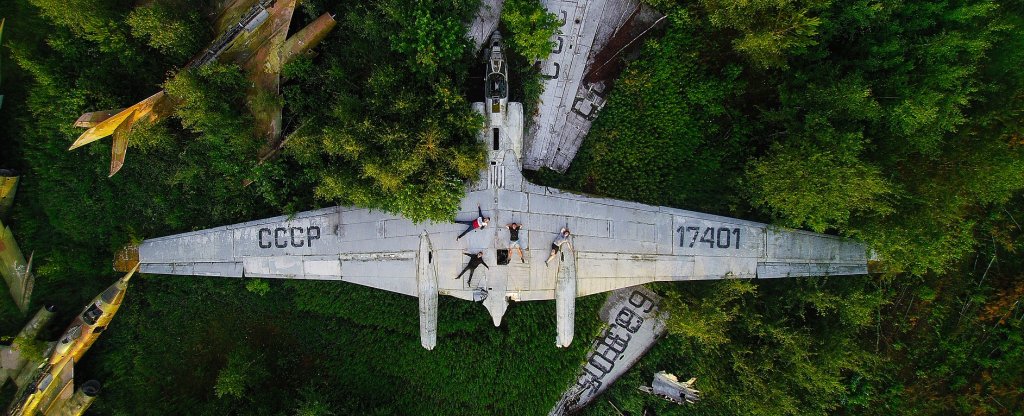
(82, 141)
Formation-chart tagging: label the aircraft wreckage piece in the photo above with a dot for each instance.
(616, 244)
(590, 41)
(485, 22)
(8, 187)
(16, 272)
(634, 325)
(2, 21)
(247, 39)
(668, 387)
(47, 387)
(14, 366)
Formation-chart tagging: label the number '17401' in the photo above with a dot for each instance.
(721, 237)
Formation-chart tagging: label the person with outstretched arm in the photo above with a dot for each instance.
(513, 240)
(556, 246)
(480, 222)
(475, 260)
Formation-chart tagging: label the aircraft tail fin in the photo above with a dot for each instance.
(126, 259)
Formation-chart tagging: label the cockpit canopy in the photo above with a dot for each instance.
(92, 314)
(497, 86)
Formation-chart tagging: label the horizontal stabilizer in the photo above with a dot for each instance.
(89, 120)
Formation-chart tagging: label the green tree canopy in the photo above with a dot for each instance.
(530, 28)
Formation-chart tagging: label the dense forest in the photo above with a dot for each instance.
(896, 123)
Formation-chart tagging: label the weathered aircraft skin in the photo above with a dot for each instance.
(16, 272)
(616, 244)
(254, 35)
(50, 388)
(634, 325)
(13, 365)
(8, 187)
(484, 23)
(570, 101)
(1, 38)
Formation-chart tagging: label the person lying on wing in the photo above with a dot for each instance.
(475, 260)
(513, 240)
(556, 246)
(480, 222)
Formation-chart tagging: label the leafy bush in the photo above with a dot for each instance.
(174, 29)
(530, 28)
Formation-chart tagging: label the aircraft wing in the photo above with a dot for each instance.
(372, 248)
(360, 246)
(619, 244)
(569, 103)
(616, 244)
(8, 187)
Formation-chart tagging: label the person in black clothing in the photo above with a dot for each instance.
(513, 239)
(475, 260)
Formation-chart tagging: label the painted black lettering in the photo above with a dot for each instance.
(603, 358)
(708, 237)
(312, 233)
(262, 244)
(300, 243)
(728, 237)
(280, 232)
(640, 300)
(629, 320)
(696, 231)
(617, 343)
(721, 237)
(589, 382)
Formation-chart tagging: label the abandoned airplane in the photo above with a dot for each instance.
(615, 244)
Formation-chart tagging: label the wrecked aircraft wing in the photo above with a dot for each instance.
(634, 325)
(17, 272)
(571, 101)
(485, 22)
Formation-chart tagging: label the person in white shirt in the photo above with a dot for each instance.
(556, 246)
